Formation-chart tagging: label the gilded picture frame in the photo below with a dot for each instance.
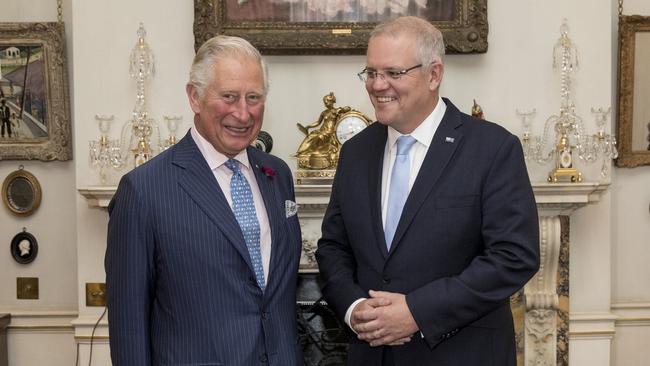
(21, 192)
(307, 27)
(633, 91)
(34, 88)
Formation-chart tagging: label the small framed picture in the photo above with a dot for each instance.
(24, 247)
(21, 192)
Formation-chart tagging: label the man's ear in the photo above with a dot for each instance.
(435, 74)
(194, 98)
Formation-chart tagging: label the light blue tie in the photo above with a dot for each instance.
(244, 208)
(399, 187)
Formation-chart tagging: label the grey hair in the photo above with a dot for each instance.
(217, 48)
(429, 43)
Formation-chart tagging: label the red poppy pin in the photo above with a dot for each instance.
(268, 171)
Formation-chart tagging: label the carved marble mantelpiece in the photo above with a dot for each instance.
(554, 200)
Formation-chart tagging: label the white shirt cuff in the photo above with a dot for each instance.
(348, 313)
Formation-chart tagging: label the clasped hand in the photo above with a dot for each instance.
(383, 319)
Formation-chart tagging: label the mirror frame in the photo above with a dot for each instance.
(628, 27)
(35, 186)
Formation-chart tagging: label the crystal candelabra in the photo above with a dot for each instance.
(570, 136)
(105, 153)
(172, 123)
(137, 132)
(140, 137)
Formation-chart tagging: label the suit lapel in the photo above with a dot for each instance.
(273, 204)
(445, 142)
(199, 183)
(375, 167)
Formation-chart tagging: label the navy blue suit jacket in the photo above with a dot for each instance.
(467, 239)
(181, 287)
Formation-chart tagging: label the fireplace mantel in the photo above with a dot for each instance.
(552, 198)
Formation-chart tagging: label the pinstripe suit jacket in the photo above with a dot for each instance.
(181, 287)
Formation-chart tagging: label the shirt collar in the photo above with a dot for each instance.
(213, 157)
(425, 131)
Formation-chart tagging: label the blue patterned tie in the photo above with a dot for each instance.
(244, 209)
(399, 187)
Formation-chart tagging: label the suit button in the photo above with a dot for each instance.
(252, 280)
(386, 281)
(264, 358)
(265, 315)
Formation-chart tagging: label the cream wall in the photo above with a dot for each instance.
(40, 326)
(608, 253)
(630, 251)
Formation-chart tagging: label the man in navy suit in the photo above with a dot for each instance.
(203, 240)
(432, 222)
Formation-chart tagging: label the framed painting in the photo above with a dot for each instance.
(633, 91)
(34, 102)
(310, 27)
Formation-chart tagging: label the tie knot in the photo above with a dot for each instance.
(233, 165)
(404, 144)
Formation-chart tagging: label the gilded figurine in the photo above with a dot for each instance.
(477, 111)
(320, 148)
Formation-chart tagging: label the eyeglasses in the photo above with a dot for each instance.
(388, 75)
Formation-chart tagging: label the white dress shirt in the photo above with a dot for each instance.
(423, 135)
(223, 175)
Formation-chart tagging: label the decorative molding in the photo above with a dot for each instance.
(592, 323)
(552, 198)
(98, 196)
(41, 321)
(590, 326)
(632, 314)
(309, 244)
(540, 337)
(84, 325)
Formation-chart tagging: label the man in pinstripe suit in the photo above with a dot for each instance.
(188, 284)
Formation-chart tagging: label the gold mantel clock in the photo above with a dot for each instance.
(318, 153)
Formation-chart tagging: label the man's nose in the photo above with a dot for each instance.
(379, 82)
(241, 111)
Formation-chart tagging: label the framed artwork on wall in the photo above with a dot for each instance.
(633, 91)
(278, 27)
(21, 192)
(34, 101)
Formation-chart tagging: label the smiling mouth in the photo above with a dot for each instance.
(237, 129)
(385, 99)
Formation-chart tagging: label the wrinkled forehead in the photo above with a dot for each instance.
(239, 73)
(391, 51)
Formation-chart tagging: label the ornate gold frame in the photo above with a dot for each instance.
(466, 33)
(8, 195)
(628, 27)
(57, 145)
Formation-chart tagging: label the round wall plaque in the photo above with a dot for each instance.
(21, 192)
